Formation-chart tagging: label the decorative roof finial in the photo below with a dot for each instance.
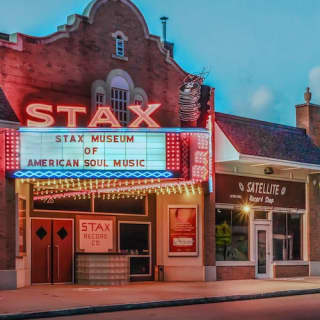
(307, 96)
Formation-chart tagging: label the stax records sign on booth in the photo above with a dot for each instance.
(232, 189)
(95, 234)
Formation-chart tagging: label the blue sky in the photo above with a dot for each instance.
(261, 53)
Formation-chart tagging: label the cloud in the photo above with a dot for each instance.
(261, 98)
(314, 82)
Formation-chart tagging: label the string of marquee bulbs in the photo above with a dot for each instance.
(109, 188)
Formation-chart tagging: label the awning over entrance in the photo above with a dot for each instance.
(107, 189)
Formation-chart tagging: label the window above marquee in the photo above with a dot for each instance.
(119, 92)
(138, 100)
(120, 97)
(120, 40)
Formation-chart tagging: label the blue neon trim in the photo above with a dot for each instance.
(210, 185)
(91, 174)
(150, 130)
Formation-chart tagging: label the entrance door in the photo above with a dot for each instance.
(41, 248)
(51, 251)
(263, 251)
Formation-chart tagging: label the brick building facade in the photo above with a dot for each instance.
(107, 57)
(104, 57)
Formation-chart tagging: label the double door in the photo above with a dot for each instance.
(51, 251)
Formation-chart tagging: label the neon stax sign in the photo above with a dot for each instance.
(41, 116)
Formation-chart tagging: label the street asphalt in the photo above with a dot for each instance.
(306, 307)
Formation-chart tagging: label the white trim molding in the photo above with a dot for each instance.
(119, 33)
(279, 162)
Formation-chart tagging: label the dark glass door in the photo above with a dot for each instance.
(262, 252)
(263, 245)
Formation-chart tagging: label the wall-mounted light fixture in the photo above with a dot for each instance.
(246, 208)
(268, 170)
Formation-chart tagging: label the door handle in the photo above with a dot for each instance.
(58, 255)
(48, 261)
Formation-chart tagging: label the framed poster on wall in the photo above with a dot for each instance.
(95, 234)
(183, 231)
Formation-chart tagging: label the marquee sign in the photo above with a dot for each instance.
(39, 115)
(108, 153)
(104, 149)
(93, 150)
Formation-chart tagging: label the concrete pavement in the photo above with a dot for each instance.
(57, 300)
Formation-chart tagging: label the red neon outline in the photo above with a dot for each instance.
(97, 118)
(144, 116)
(71, 114)
(32, 110)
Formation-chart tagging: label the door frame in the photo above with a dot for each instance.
(149, 223)
(73, 232)
(265, 226)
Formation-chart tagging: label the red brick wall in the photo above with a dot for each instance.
(7, 214)
(62, 71)
(290, 271)
(235, 273)
(308, 117)
(313, 227)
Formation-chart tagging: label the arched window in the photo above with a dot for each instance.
(138, 100)
(119, 46)
(120, 97)
(140, 97)
(100, 97)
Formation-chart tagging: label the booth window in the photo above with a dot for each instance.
(63, 204)
(287, 236)
(231, 235)
(135, 241)
(22, 226)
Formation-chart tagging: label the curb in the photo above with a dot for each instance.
(153, 304)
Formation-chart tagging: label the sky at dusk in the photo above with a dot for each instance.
(261, 54)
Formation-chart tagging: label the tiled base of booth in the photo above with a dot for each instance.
(235, 273)
(290, 271)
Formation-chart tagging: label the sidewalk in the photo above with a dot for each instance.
(47, 301)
